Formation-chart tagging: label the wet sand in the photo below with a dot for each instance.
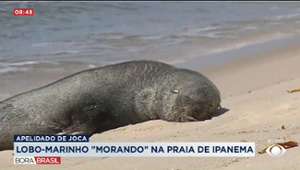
(254, 89)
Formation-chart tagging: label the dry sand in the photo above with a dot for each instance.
(255, 92)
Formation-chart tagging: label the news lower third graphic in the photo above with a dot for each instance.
(48, 149)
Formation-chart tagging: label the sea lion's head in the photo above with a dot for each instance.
(195, 100)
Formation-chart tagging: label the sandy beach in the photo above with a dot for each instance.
(255, 92)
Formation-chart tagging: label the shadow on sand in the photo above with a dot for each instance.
(221, 111)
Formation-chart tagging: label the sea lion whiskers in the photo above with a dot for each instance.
(182, 115)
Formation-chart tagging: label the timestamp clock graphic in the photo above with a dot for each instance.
(23, 11)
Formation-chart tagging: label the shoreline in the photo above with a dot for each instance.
(259, 65)
(253, 89)
(215, 66)
(247, 53)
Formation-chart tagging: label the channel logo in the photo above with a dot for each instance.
(275, 150)
(36, 160)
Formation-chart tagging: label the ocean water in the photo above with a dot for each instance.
(63, 34)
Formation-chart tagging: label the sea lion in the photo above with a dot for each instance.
(100, 99)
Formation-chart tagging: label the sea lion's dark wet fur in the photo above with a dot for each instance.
(96, 100)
